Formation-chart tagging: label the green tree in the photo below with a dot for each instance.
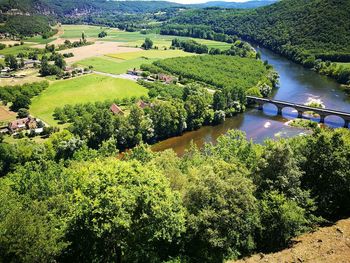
(169, 118)
(281, 220)
(11, 62)
(20, 102)
(222, 212)
(22, 113)
(148, 44)
(326, 162)
(126, 212)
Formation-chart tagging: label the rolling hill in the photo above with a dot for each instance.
(71, 7)
(304, 27)
(238, 5)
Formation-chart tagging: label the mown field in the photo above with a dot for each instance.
(83, 89)
(131, 39)
(16, 49)
(113, 66)
(120, 63)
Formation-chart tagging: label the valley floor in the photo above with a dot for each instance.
(328, 244)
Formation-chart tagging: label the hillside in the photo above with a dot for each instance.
(243, 5)
(317, 27)
(329, 244)
(73, 7)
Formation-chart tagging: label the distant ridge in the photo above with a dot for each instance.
(238, 5)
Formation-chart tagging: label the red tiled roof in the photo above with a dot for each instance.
(20, 123)
(141, 104)
(116, 110)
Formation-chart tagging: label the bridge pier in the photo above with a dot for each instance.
(301, 109)
(279, 111)
(346, 124)
(322, 118)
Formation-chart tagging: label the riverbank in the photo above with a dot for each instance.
(296, 84)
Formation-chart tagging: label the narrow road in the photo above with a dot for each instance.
(118, 76)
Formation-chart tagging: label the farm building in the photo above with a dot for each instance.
(116, 109)
(22, 124)
(142, 105)
(166, 78)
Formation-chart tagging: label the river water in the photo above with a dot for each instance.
(297, 84)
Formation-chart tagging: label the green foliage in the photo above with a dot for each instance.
(102, 34)
(139, 212)
(11, 62)
(302, 31)
(234, 71)
(148, 44)
(281, 219)
(215, 194)
(196, 31)
(26, 26)
(20, 96)
(189, 46)
(325, 164)
(64, 201)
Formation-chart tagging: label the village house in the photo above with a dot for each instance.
(28, 123)
(142, 105)
(166, 78)
(30, 63)
(5, 70)
(116, 109)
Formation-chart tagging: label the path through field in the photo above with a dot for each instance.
(99, 48)
(118, 76)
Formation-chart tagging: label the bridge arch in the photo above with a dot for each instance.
(323, 113)
(270, 109)
(289, 112)
(335, 121)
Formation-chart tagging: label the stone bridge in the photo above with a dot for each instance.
(301, 109)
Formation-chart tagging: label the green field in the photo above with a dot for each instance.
(16, 49)
(40, 40)
(113, 66)
(75, 31)
(219, 71)
(131, 39)
(120, 63)
(83, 89)
(159, 54)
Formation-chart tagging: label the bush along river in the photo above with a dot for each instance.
(297, 85)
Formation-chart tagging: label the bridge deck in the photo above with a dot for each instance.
(345, 115)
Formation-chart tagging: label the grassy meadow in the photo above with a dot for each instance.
(89, 88)
(14, 50)
(131, 39)
(113, 66)
(120, 63)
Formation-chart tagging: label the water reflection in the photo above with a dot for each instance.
(297, 85)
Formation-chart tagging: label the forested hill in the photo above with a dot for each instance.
(292, 27)
(243, 5)
(71, 7)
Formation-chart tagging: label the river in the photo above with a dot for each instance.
(297, 85)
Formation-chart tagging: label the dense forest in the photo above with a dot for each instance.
(72, 7)
(63, 201)
(26, 26)
(307, 32)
